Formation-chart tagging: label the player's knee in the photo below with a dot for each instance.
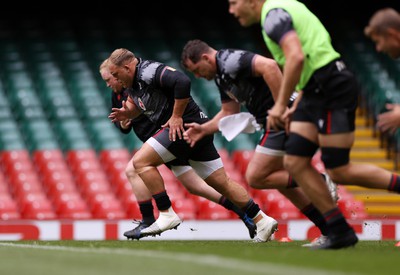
(130, 170)
(298, 151)
(335, 157)
(300, 146)
(254, 178)
(251, 179)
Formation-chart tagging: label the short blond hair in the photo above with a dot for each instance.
(103, 65)
(121, 56)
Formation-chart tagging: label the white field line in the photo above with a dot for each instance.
(206, 260)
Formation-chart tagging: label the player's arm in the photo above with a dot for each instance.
(123, 126)
(270, 71)
(294, 55)
(128, 110)
(197, 131)
(179, 83)
(227, 108)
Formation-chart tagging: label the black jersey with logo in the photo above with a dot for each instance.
(141, 125)
(155, 88)
(236, 81)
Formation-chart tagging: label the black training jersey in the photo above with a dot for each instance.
(155, 88)
(236, 81)
(141, 125)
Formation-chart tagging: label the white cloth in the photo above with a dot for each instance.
(233, 125)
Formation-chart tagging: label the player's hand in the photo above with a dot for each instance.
(193, 134)
(287, 117)
(120, 114)
(276, 119)
(125, 124)
(175, 125)
(390, 120)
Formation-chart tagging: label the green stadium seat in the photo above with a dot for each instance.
(39, 135)
(104, 135)
(10, 136)
(72, 135)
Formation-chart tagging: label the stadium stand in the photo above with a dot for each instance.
(61, 158)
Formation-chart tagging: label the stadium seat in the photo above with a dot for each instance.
(208, 210)
(10, 136)
(39, 134)
(107, 156)
(122, 187)
(60, 187)
(109, 209)
(41, 158)
(8, 208)
(27, 187)
(52, 178)
(283, 209)
(91, 189)
(175, 190)
(37, 206)
(76, 156)
(132, 209)
(241, 159)
(73, 209)
(8, 157)
(72, 135)
(351, 208)
(185, 208)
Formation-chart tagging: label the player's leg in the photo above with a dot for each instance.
(144, 199)
(197, 186)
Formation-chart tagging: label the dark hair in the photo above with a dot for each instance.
(193, 50)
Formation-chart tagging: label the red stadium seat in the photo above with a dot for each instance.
(27, 188)
(175, 190)
(7, 157)
(8, 208)
(113, 154)
(52, 179)
(76, 158)
(63, 198)
(166, 173)
(115, 167)
(61, 187)
(209, 210)
(85, 166)
(124, 189)
(46, 155)
(350, 207)
(109, 209)
(101, 197)
(28, 198)
(74, 209)
(94, 188)
(283, 209)
(226, 159)
(42, 157)
(40, 209)
(185, 208)
(108, 158)
(131, 207)
(24, 176)
(48, 167)
(241, 158)
(83, 179)
(13, 169)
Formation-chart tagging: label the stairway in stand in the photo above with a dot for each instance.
(367, 149)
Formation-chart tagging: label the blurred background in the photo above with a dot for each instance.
(61, 158)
